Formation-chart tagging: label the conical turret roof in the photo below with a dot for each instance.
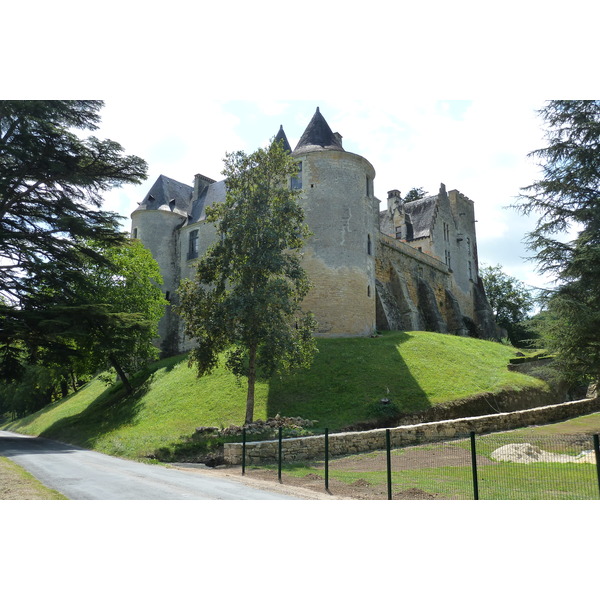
(281, 137)
(169, 195)
(318, 136)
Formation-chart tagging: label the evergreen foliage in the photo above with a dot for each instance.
(567, 202)
(55, 239)
(51, 186)
(246, 295)
(415, 194)
(66, 336)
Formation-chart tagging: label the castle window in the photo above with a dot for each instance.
(448, 260)
(369, 249)
(409, 229)
(193, 245)
(134, 234)
(368, 184)
(446, 232)
(296, 182)
(399, 232)
(369, 291)
(167, 295)
(469, 247)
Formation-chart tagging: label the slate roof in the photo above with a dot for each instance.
(281, 137)
(422, 214)
(169, 195)
(212, 194)
(318, 136)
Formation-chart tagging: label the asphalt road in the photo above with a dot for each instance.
(82, 474)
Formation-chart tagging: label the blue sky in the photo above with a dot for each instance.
(479, 147)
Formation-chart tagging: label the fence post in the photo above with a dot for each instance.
(280, 455)
(243, 450)
(474, 466)
(326, 458)
(597, 453)
(389, 463)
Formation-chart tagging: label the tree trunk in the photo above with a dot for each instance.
(120, 372)
(251, 381)
(73, 381)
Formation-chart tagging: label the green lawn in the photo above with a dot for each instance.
(344, 386)
(504, 481)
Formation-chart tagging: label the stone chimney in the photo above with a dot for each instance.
(394, 198)
(200, 182)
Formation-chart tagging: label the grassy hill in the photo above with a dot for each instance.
(349, 377)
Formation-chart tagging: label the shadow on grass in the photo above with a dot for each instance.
(113, 409)
(354, 383)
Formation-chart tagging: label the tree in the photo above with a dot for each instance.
(510, 300)
(245, 299)
(566, 238)
(415, 194)
(51, 186)
(110, 320)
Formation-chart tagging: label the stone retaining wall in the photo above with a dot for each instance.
(488, 403)
(340, 444)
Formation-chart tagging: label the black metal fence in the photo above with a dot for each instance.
(518, 465)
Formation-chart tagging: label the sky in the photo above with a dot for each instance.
(479, 147)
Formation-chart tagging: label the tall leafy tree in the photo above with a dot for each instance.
(51, 187)
(245, 299)
(110, 320)
(566, 239)
(510, 300)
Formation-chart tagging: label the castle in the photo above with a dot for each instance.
(412, 266)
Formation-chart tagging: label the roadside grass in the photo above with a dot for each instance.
(344, 387)
(18, 484)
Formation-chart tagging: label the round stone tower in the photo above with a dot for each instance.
(156, 222)
(343, 215)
